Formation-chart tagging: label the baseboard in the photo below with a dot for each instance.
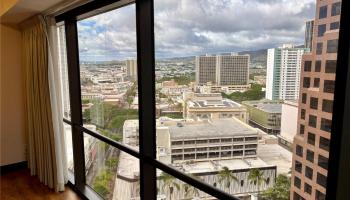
(13, 167)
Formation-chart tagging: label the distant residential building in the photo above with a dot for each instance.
(222, 70)
(260, 79)
(283, 72)
(289, 125)
(212, 106)
(131, 69)
(265, 115)
(309, 32)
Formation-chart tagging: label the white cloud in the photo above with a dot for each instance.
(190, 27)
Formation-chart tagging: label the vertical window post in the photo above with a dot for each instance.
(75, 101)
(146, 80)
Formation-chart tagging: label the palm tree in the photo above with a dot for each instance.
(190, 191)
(168, 181)
(256, 177)
(226, 177)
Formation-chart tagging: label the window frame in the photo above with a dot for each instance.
(338, 174)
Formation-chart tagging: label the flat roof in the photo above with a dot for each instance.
(210, 129)
(219, 103)
(217, 165)
(274, 154)
(267, 106)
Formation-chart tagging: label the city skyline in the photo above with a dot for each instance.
(195, 33)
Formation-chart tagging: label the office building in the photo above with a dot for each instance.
(265, 115)
(311, 144)
(283, 72)
(309, 33)
(212, 106)
(131, 69)
(222, 70)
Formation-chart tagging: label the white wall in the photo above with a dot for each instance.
(289, 120)
(269, 73)
(12, 138)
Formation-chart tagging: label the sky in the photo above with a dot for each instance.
(195, 27)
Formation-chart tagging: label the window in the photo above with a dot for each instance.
(321, 30)
(311, 138)
(321, 180)
(309, 172)
(318, 66)
(324, 143)
(313, 103)
(306, 82)
(301, 129)
(302, 113)
(299, 150)
(312, 121)
(307, 188)
(336, 7)
(326, 124)
(332, 46)
(331, 66)
(297, 182)
(322, 12)
(323, 162)
(310, 155)
(316, 82)
(298, 166)
(304, 98)
(328, 86)
(327, 106)
(319, 47)
(334, 25)
(307, 66)
(320, 195)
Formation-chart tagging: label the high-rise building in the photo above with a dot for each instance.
(131, 69)
(309, 32)
(222, 70)
(311, 144)
(283, 72)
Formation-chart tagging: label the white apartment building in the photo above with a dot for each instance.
(283, 72)
(222, 70)
(131, 69)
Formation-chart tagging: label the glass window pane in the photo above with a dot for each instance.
(112, 173)
(322, 12)
(321, 30)
(108, 74)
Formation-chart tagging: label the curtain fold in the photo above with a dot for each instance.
(41, 147)
(55, 84)
(45, 131)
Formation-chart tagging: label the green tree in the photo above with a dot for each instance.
(254, 93)
(256, 177)
(280, 190)
(112, 163)
(226, 177)
(168, 182)
(101, 183)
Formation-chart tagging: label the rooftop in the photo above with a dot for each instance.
(220, 103)
(209, 129)
(267, 106)
(274, 154)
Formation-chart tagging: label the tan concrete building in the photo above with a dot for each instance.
(311, 144)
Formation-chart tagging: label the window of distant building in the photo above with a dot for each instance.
(318, 66)
(327, 105)
(304, 98)
(323, 162)
(328, 86)
(306, 82)
(307, 66)
(316, 82)
(336, 8)
(299, 150)
(301, 129)
(322, 12)
(324, 143)
(321, 180)
(311, 138)
(321, 30)
(319, 47)
(314, 103)
(326, 125)
(307, 188)
(334, 26)
(312, 121)
(309, 172)
(302, 113)
(298, 166)
(297, 182)
(310, 155)
(332, 46)
(331, 66)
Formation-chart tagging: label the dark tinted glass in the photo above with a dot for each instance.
(318, 66)
(328, 86)
(307, 66)
(321, 30)
(336, 8)
(332, 46)
(323, 12)
(327, 105)
(319, 48)
(334, 26)
(331, 66)
(312, 121)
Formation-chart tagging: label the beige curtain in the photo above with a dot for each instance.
(41, 146)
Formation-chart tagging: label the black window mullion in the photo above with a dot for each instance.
(146, 88)
(75, 100)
